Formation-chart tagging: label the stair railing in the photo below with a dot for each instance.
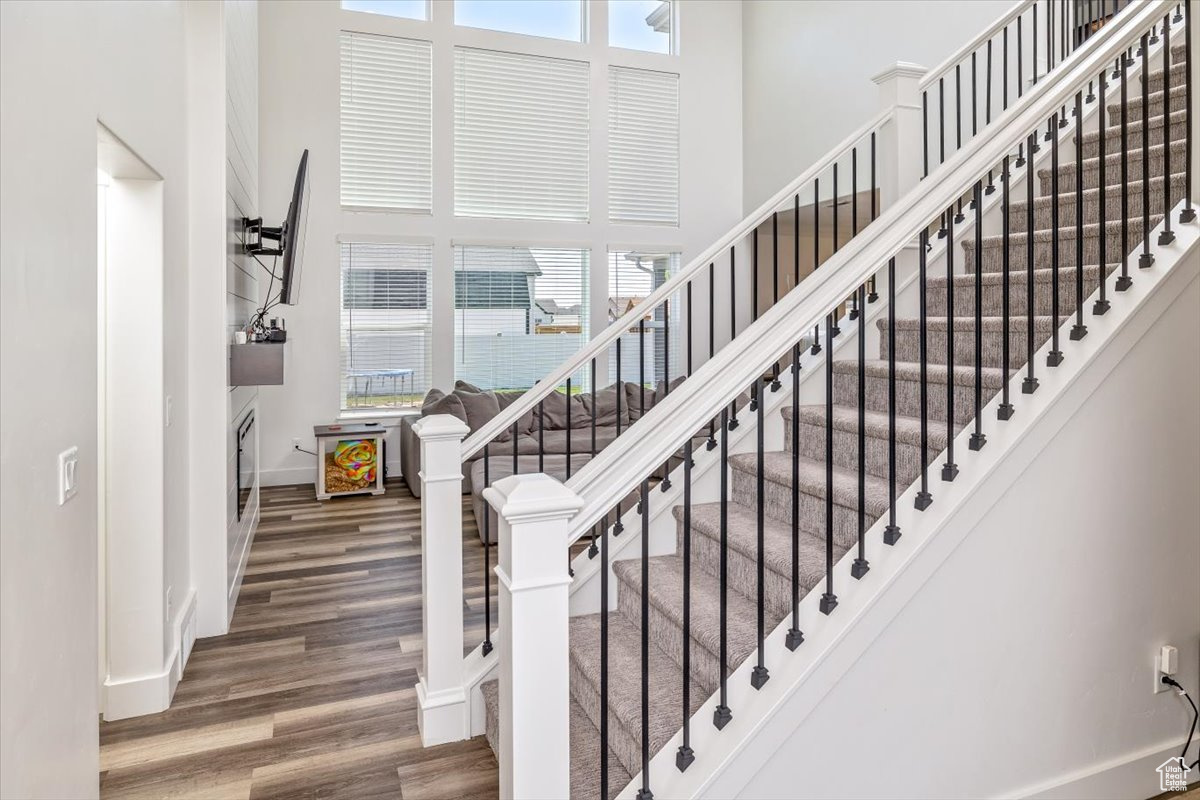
(536, 512)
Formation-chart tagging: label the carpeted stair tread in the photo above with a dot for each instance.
(585, 747)
(666, 596)
(1155, 133)
(1112, 168)
(743, 538)
(624, 686)
(992, 284)
(777, 469)
(993, 377)
(1043, 206)
(1043, 240)
(1157, 102)
(876, 424)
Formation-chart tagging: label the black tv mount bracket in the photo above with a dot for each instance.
(256, 233)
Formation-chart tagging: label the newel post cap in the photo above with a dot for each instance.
(901, 69)
(440, 426)
(532, 498)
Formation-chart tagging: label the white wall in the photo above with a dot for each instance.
(1052, 668)
(122, 64)
(300, 100)
(807, 69)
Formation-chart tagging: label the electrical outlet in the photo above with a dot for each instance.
(1166, 662)
(68, 484)
(295, 444)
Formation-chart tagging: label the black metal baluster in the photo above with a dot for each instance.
(1189, 213)
(722, 713)
(1020, 58)
(925, 134)
(872, 294)
(1033, 40)
(1004, 69)
(816, 345)
(541, 414)
(514, 449)
(861, 566)
(604, 560)
(1101, 305)
(487, 554)
(950, 469)
(1055, 357)
(644, 793)
(828, 599)
(1005, 409)
(775, 284)
(794, 636)
(1079, 330)
(665, 484)
(1124, 281)
(941, 120)
(974, 95)
(958, 107)
(924, 498)
(987, 108)
(733, 421)
(977, 438)
(593, 550)
(685, 755)
(1146, 260)
(1166, 236)
(754, 276)
(759, 675)
(642, 366)
(712, 291)
(620, 382)
(853, 218)
(568, 405)
(1030, 383)
(836, 330)
(891, 534)
(796, 240)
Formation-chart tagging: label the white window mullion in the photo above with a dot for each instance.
(643, 146)
(386, 123)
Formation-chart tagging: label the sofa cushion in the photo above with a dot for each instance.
(633, 399)
(506, 399)
(606, 406)
(481, 407)
(554, 409)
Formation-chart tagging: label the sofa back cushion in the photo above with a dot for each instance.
(606, 406)
(438, 402)
(555, 408)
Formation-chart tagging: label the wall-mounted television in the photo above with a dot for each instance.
(288, 240)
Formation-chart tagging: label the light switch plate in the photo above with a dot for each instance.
(68, 484)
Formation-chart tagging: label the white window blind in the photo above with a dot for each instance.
(520, 136)
(385, 324)
(386, 128)
(632, 276)
(643, 146)
(519, 312)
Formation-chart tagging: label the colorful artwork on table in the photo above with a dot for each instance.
(351, 465)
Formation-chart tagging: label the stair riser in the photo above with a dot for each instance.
(845, 450)
(1178, 76)
(743, 574)
(908, 344)
(777, 500)
(1091, 146)
(1091, 170)
(908, 397)
(1157, 101)
(993, 296)
(1043, 248)
(624, 744)
(1042, 215)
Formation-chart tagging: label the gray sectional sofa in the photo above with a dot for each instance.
(545, 433)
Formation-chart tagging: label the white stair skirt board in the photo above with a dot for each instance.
(758, 753)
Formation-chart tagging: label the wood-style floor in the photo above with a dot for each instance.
(310, 694)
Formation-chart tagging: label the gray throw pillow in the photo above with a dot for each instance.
(480, 408)
(633, 396)
(463, 386)
(438, 402)
(606, 407)
(556, 406)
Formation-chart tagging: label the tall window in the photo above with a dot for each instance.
(385, 324)
(520, 136)
(640, 25)
(643, 146)
(519, 312)
(556, 19)
(386, 123)
(650, 348)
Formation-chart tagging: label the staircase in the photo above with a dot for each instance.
(797, 460)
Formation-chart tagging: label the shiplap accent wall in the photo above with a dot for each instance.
(241, 272)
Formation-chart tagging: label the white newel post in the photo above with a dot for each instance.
(533, 581)
(900, 157)
(441, 698)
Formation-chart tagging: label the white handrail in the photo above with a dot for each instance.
(504, 420)
(609, 477)
(979, 41)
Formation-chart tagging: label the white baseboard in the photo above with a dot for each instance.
(150, 694)
(1129, 775)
